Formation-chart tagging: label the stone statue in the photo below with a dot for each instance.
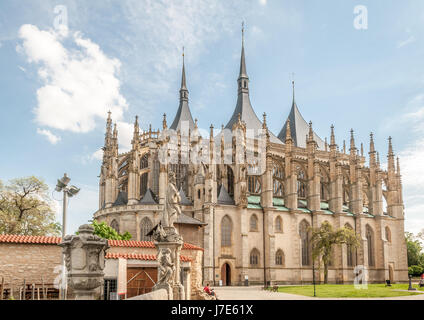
(166, 267)
(172, 208)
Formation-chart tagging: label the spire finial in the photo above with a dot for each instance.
(242, 32)
(311, 132)
(264, 125)
(352, 142)
(326, 144)
(164, 124)
(344, 146)
(288, 131)
(332, 137)
(243, 73)
(397, 165)
(378, 159)
(195, 123)
(362, 149)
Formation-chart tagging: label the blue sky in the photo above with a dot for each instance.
(58, 83)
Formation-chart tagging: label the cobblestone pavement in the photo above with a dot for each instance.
(257, 293)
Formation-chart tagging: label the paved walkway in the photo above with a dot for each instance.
(257, 293)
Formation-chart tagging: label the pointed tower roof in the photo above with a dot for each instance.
(224, 197)
(299, 128)
(184, 200)
(148, 198)
(183, 113)
(243, 105)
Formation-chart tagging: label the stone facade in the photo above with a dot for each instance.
(25, 257)
(31, 262)
(257, 194)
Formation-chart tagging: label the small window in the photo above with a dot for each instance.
(254, 257)
(198, 194)
(279, 258)
(253, 223)
(278, 224)
(388, 234)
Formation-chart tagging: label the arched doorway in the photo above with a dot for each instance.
(226, 274)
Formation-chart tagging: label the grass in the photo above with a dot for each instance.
(349, 291)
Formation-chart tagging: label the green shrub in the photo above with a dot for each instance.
(415, 270)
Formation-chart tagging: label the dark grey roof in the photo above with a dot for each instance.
(224, 197)
(121, 199)
(299, 129)
(148, 198)
(183, 112)
(243, 105)
(185, 219)
(184, 199)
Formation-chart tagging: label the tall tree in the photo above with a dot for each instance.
(26, 208)
(325, 238)
(414, 250)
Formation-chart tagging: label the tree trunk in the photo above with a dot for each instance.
(325, 273)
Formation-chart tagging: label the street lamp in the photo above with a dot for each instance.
(62, 185)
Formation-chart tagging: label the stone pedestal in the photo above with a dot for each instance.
(173, 286)
(85, 261)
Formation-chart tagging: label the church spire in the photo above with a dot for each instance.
(108, 135)
(183, 89)
(352, 143)
(136, 134)
(183, 119)
(243, 72)
(372, 152)
(391, 157)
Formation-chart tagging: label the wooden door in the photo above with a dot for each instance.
(139, 280)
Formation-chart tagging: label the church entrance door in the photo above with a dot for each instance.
(226, 274)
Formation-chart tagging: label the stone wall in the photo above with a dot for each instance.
(19, 261)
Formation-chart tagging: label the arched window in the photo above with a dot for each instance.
(146, 226)
(143, 183)
(346, 190)
(305, 242)
(279, 258)
(144, 162)
(388, 234)
(254, 185)
(230, 178)
(115, 225)
(278, 224)
(278, 178)
(123, 186)
(226, 228)
(349, 250)
(301, 184)
(253, 222)
(254, 257)
(369, 233)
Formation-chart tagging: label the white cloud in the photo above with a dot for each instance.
(53, 139)
(263, 2)
(401, 44)
(125, 134)
(79, 84)
(412, 170)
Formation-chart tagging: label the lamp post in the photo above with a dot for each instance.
(62, 185)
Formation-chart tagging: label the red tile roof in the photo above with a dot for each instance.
(151, 257)
(11, 238)
(146, 244)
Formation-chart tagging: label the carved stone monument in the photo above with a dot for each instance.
(169, 243)
(85, 261)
